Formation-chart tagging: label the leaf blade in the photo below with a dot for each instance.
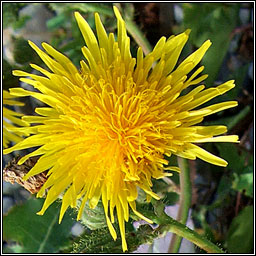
(40, 234)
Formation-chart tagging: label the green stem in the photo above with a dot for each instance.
(138, 36)
(174, 226)
(185, 200)
(168, 224)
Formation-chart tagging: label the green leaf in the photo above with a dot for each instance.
(56, 22)
(229, 152)
(11, 14)
(171, 198)
(244, 183)
(21, 22)
(9, 80)
(241, 165)
(240, 234)
(214, 21)
(224, 186)
(237, 158)
(101, 8)
(37, 234)
(21, 46)
(239, 76)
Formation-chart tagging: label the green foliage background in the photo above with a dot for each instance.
(226, 215)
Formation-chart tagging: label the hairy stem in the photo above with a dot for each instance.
(185, 200)
(171, 225)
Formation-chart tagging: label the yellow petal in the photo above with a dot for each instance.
(120, 217)
(62, 59)
(53, 194)
(133, 206)
(101, 33)
(206, 156)
(228, 138)
(220, 106)
(88, 36)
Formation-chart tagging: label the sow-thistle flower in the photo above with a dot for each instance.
(109, 124)
(11, 119)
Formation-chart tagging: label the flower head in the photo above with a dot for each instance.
(11, 119)
(108, 125)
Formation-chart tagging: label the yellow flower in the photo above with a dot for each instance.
(108, 125)
(11, 119)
